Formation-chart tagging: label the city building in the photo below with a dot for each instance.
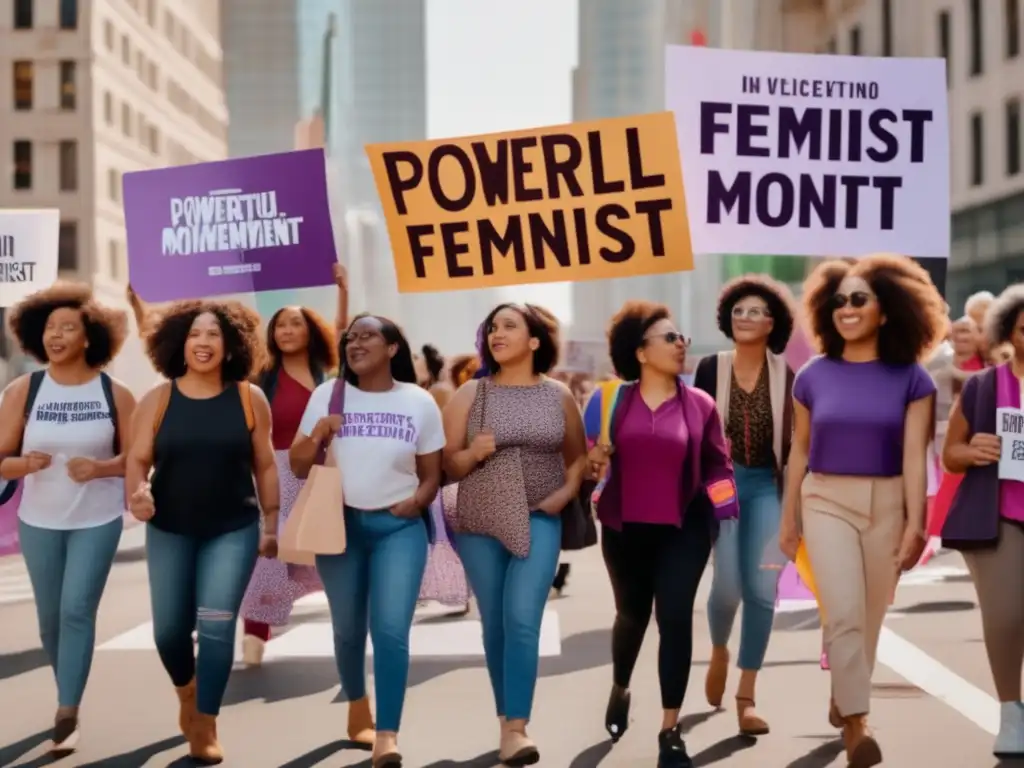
(983, 44)
(90, 91)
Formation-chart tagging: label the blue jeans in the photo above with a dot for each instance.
(198, 584)
(511, 593)
(68, 571)
(747, 567)
(373, 587)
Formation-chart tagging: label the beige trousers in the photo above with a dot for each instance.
(852, 527)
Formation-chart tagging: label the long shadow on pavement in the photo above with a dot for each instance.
(723, 750)
(140, 756)
(593, 756)
(939, 606)
(11, 752)
(20, 662)
(822, 755)
(316, 756)
(282, 680)
(486, 760)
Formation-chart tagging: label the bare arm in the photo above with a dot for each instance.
(264, 466)
(12, 427)
(341, 280)
(428, 472)
(139, 460)
(458, 459)
(303, 452)
(917, 433)
(574, 446)
(797, 467)
(124, 402)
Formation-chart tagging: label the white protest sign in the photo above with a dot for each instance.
(583, 356)
(1010, 429)
(808, 155)
(28, 252)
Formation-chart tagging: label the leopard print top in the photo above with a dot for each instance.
(749, 426)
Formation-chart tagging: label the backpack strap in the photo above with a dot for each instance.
(335, 407)
(610, 392)
(245, 392)
(108, 394)
(35, 381)
(268, 382)
(162, 401)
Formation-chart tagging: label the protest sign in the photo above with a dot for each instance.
(584, 201)
(804, 154)
(235, 226)
(29, 241)
(1010, 429)
(583, 356)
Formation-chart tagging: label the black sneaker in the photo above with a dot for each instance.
(616, 717)
(672, 749)
(65, 734)
(561, 578)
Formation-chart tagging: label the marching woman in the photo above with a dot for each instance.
(389, 452)
(206, 435)
(986, 520)
(753, 388)
(61, 432)
(517, 449)
(856, 482)
(429, 371)
(303, 352)
(670, 480)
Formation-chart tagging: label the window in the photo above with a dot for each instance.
(67, 246)
(126, 119)
(68, 166)
(24, 85)
(832, 46)
(126, 51)
(151, 75)
(887, 27)
(108, 108)
(975, 42)
(151, 12)
(945, 41)
(114, 258)
(153, 141)
(855, 40)
(1013, 137)
(109, 39)
(22, 164)
(68, 93)
(23, 14)
(113, 185)
(977, 150)
(1012, 25)
(69, 14)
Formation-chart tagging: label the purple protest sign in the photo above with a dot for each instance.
(9, 544)
(234, 226)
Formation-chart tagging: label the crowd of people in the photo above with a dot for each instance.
(470, 478)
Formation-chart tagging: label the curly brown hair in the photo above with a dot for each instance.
(626, 335)
(776, 295)
(462, 369)
(911, 304)
(244, 351)
(322, 349)
(1001, 318)
(541, 324)
(105, 327)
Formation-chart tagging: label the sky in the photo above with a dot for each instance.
(502, 65)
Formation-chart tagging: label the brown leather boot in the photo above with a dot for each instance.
(862, 751)
(187, 707)
(751, 723)
(718, 671)
(361, 728)
(203, 746)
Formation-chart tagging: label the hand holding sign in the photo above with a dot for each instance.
(985, 450)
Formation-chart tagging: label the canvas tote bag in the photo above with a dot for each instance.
(316, 525)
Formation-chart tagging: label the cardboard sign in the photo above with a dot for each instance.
(1010, 429)
(585, 201)
(29, 241)
(808, 155)
(235, 226)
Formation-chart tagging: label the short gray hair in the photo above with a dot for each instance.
(978, 298)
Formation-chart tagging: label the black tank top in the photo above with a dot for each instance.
(202, 466)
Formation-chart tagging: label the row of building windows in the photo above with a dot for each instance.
(24, 90)
(134, 125)
(23, 155)
(1013, 137)
(25, 14)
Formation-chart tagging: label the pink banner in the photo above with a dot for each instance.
(9, 525)
(791, 586)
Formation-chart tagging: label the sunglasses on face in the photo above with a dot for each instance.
(857, 300)
(672, 337)
(752, 313)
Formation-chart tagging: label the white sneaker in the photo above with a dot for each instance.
(1010, 741)
(252, 651)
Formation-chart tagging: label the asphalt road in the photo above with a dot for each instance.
(933, 702)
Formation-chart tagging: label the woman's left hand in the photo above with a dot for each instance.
(912, 546)
(553, 504)
(268, 545)
(83, 470)
(407, 508)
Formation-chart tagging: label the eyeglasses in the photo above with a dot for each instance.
(857, 300)
(672, 337)
(752, 313)
(362, 336)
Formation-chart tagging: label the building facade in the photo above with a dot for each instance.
(90, 91)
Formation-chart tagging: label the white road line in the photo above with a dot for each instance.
(920, 669)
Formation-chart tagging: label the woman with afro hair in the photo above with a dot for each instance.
(753, 388)
(205, 433)
(669, 482)
(986, 519)
(856, 482)
(61, 434)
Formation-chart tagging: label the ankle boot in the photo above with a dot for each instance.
(862, 751)
(361, 728)
(187, 707)
(718, 672)
(202, 740)
(517, 749)
(751, 723)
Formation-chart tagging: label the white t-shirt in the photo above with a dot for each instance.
(381, 436)
(70, 422)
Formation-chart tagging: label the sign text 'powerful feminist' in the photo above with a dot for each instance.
(575, 202)
(29, 244)
(787, 147)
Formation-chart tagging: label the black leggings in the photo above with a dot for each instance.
(659, 566)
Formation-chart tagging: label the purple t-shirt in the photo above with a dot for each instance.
(858, 411)
(651, 450)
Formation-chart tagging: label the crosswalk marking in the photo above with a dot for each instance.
(315, 639)
(15, 586)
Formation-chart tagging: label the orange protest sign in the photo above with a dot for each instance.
(585, 201)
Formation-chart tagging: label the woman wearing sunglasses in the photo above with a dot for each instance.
(752, 386)
(857, 475)
(670, 480)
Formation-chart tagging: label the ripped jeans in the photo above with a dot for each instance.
(198, 584)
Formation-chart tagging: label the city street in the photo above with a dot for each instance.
(933, 702)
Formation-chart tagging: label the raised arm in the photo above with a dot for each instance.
(264, 467)
(341, 280)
